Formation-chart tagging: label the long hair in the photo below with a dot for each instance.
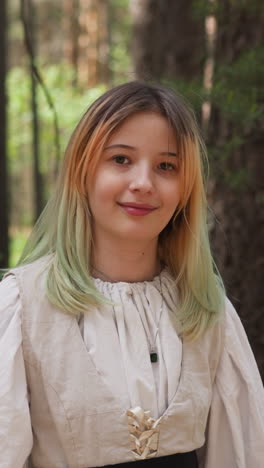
(63, 232)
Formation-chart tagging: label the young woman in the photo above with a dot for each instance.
(117, 343)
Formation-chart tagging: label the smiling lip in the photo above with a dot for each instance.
(137, 209)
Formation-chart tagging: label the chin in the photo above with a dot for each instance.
(133, 235)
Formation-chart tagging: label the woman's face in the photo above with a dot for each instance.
(136, 186)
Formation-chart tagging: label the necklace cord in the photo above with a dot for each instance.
(151, 345)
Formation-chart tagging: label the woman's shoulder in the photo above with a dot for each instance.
(37, 265)
(23, 277)
(237, 358)
(232, 328)
(233, 323)
(8, 290)
(30, 271)
(10, 303)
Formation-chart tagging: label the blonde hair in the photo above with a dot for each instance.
(183, 244)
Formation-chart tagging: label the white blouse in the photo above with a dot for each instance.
(142, 316)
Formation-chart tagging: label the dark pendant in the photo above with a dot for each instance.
(153, 357)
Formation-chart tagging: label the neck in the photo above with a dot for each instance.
(121, 261)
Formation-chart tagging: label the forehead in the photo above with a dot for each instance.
(142, 128)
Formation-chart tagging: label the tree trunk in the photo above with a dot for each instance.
(168, 41)
(237, 188)
(71, 34)
(93, 59)
(37, 177)
(3, 156)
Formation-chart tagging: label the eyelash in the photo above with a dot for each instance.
(115, 158)
(168, 166)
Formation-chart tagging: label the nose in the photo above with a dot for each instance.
(142, 180)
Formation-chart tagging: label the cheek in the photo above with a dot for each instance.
(173, 197)
(102, 193)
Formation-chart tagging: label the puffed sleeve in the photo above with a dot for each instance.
(235, 430)
(15, 426)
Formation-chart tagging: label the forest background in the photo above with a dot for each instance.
(57, 57)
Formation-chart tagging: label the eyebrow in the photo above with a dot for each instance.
(121, 145)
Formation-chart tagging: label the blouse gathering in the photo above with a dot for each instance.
(118, 339)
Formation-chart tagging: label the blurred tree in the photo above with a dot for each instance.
(71, 34)
(93, 61)
(28, 17)
(223, 42)
(3, 161)
(168, 40)
(120, 60)
(237, 140)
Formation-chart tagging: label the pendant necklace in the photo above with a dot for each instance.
(153, 348)
(153, 352)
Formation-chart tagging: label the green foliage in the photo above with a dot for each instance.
(19, 117)
(238, 96)
(203, 8)
(18, 240)
(192, 91)
(70, 104)
(237, 180)
(238, 90)
(221, 152)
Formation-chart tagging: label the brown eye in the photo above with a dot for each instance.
(166, 166)
(120, 159)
